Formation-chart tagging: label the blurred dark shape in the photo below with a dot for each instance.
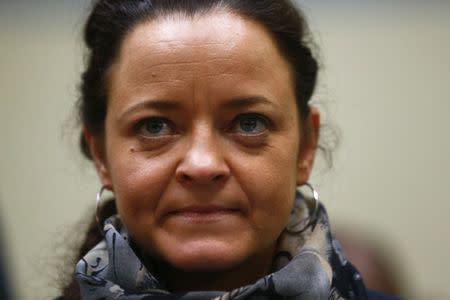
(4, 282)
(5, 288)
(373, 262)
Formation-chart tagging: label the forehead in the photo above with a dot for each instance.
(197, 38)
(213, 49)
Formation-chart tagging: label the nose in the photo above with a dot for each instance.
(203, 162)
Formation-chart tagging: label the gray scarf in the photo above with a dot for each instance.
(309, 264)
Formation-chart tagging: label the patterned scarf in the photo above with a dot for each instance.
(309, 264)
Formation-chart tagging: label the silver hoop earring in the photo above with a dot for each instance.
(309, 221)
(98, 200)
(315, 196)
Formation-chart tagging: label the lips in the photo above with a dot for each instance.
(203, 213)
(204, 210)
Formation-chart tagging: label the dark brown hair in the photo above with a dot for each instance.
(111, 20)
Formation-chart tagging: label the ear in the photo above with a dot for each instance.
(97, 150)
(308, 146)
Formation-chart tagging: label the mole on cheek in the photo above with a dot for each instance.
(132, 150)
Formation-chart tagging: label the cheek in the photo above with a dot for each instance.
(138, 184)
(269, 181)
(274, 198)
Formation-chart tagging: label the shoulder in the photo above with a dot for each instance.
(373, 295)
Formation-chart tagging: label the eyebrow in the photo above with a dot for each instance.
(158, 104)
(168, 105)
(246, 102)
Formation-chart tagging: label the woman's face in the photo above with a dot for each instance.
(202, 140)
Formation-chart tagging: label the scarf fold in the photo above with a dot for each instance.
(309, 264)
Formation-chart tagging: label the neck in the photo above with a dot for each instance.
(246, 273)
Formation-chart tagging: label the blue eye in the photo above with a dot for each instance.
(251, 124)
(155, 127)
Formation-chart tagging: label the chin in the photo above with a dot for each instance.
(206, 257)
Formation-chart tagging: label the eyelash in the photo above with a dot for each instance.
(167, 125)
(235, 127)
(264, 121)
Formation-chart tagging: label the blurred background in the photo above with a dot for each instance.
(385, 83)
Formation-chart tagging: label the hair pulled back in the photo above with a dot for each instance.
(111, 20)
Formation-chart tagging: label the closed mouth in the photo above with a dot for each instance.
(203, 213)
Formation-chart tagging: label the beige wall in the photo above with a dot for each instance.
(386, 77)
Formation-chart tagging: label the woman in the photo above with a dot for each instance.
(196, 116)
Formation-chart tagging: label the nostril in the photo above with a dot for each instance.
(218, 177)
(185, 177)
(206, 169)
(205, 179)
(199, 177)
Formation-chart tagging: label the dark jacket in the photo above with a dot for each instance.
(372, 295)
